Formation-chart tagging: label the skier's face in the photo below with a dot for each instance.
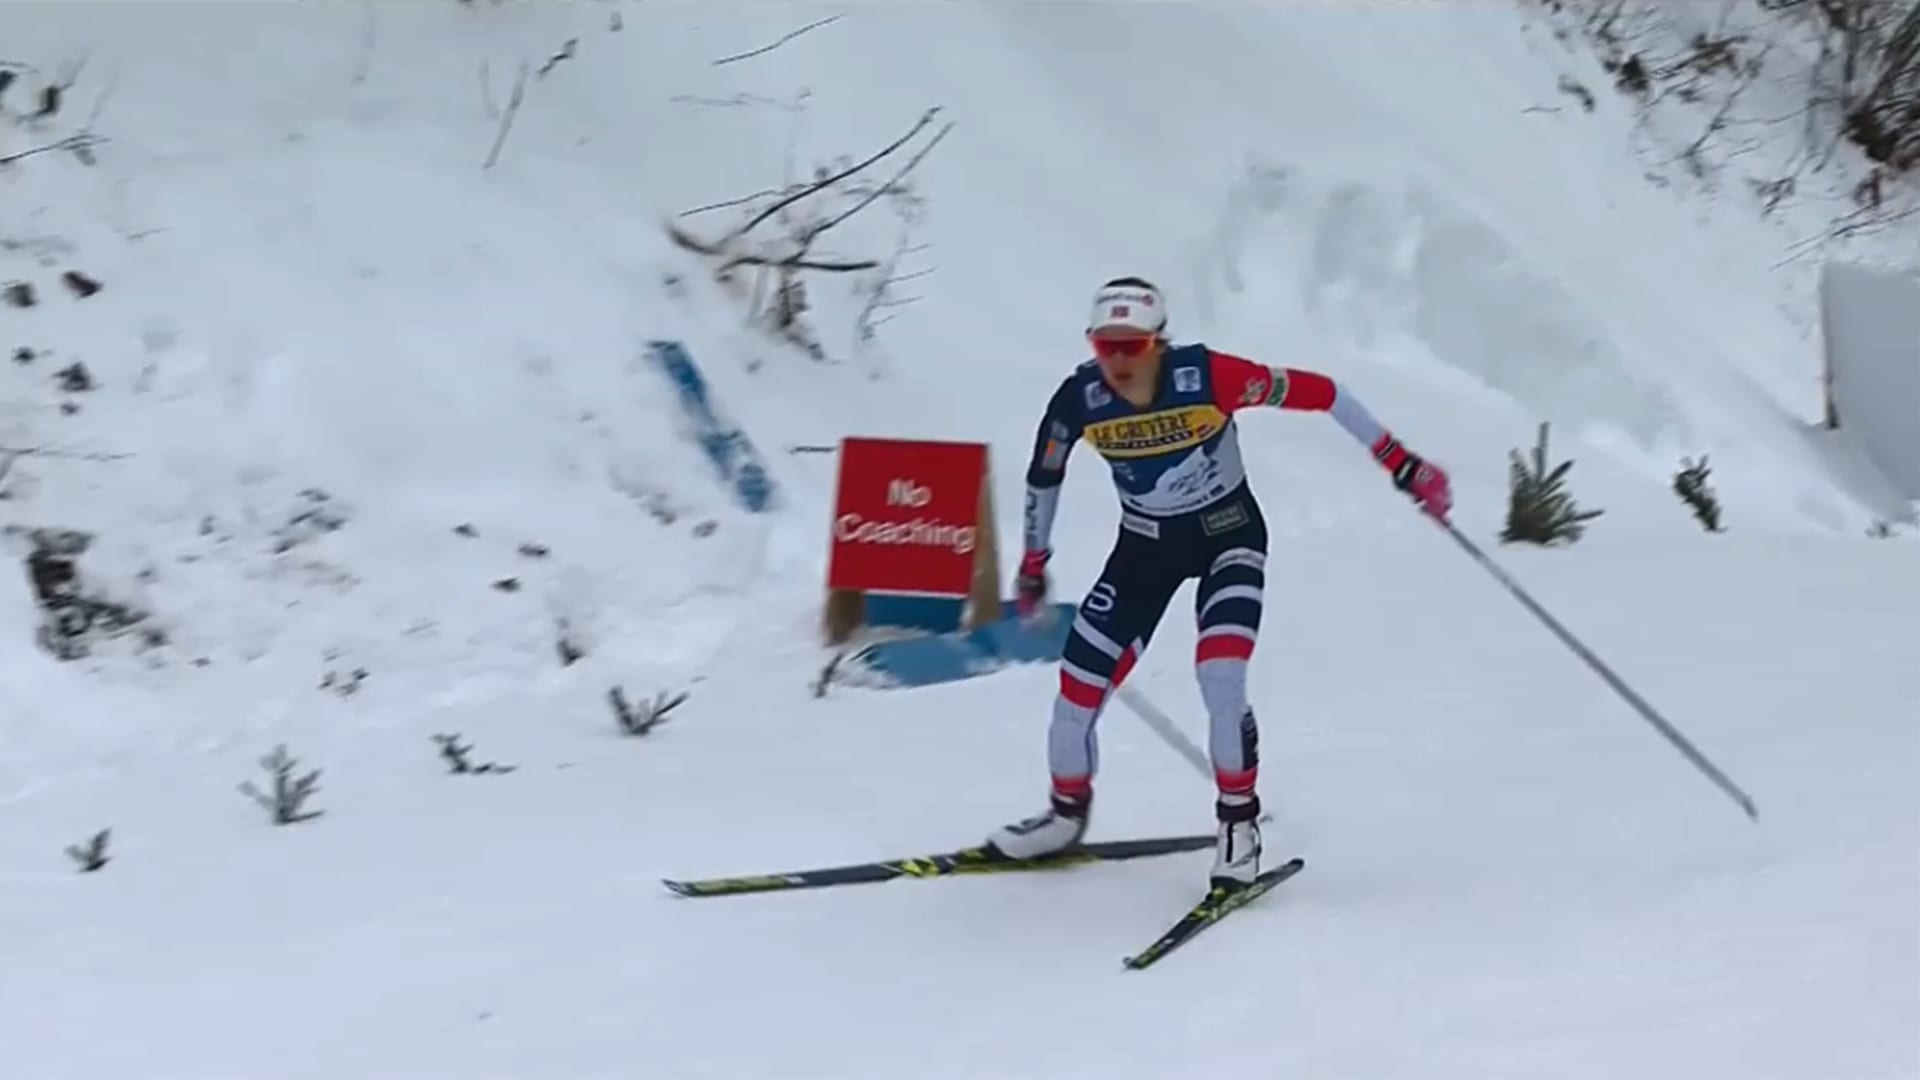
(1127, 357)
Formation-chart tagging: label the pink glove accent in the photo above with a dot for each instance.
(1431, 490)
(1426, 482)
(1030, 586)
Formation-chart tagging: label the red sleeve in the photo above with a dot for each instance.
(1239, 383)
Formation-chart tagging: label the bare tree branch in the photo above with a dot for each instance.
(889, 185)
(1859, 221)
(796, 261)
(798, 104)
(769, 48)
(781, 257)
(801, 262)
(1749, 73)
(828, 181)
(741, 201)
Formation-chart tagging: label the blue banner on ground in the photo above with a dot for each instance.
(963, 654)
(733, 454)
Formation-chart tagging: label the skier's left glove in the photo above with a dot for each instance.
(1030, 585)
(1424, 481)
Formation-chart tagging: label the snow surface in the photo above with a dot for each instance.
(329, 336)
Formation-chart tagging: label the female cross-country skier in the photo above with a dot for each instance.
(1162, 416)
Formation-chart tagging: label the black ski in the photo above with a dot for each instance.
(973, 860)
(1213, 907)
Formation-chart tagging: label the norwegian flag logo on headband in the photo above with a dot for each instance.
(1129, 307)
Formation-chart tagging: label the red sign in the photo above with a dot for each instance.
(906, 516)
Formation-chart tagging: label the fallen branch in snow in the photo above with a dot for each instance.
(764, 49)
(642, 720)
(455, 755)
(506, 120)
(565, 52)
(78, 144)
(94, 855)
(71, 455)
(11, 454)
(289, 795)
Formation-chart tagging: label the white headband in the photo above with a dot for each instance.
(1129, 306)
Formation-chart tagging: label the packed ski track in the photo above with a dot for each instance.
(371, 440)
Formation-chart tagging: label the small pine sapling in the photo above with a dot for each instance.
(455, 755)
(1690, 483)
(1538, 510)
(94, 855)
(289, 795)
(640, 721)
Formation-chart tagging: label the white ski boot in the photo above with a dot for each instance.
(1236, 853)
(1057, 828)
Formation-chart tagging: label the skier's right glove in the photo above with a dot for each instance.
(1427, 484)
(1030, 585)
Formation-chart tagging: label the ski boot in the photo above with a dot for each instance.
(1236, 854)
(1055, 829)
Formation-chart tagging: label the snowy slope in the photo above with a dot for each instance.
(329, 337)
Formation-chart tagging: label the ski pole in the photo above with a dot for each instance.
(1646, 711)
(1170, 733)
(1163, 726)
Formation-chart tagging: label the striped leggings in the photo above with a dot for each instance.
(1225, 549)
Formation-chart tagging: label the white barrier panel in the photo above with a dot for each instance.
(1870, 320)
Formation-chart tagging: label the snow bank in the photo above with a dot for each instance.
(1871, 322)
